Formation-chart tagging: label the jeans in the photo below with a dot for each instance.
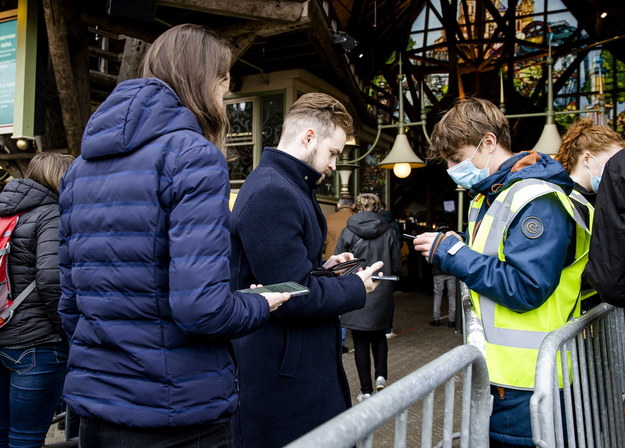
(439, 285)
(31, 382)
(379, 347)
(100, 434)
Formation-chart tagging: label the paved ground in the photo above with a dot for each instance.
(416, 344)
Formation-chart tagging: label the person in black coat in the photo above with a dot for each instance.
(33, 348)
(291, 372)
(369, 235)
(606, 261)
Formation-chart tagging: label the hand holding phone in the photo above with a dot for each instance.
(365, 275)
(293, 288)
(392, 278)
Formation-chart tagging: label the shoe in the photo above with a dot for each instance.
(390, 335)
(451, 324)
(344, 349)
(435, 323)
(363, 397)
(380, 383)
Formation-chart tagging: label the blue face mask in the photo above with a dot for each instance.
(466, 174)
(595, 180)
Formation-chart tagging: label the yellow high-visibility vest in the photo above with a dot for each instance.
(513, 339)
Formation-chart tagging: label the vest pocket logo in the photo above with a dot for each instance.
(532, 227)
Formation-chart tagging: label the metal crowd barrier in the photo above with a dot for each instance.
(588, 412)
(358, 424)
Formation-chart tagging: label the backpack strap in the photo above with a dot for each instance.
(19, 299)
(7, 313)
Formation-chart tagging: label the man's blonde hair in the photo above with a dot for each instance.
(466, 124)
(48, 168)
(318, 111)
(367, 202)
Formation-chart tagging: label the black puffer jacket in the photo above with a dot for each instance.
(368, 235)
(34, 255)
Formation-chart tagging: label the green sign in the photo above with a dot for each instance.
(8, 54)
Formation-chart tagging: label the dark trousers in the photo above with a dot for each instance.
(364, 342)
(100, 434)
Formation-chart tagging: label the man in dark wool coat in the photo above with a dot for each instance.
(291, 373)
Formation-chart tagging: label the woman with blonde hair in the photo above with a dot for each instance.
(145, 245)
(584, 151)
(33, 348)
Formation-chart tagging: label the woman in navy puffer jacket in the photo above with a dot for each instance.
(144, 253)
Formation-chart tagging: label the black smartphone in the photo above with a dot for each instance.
(348, 267)
(293, 288)
(392, 278)
(408, 236)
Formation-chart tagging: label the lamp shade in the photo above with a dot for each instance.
(549, 140)
(401, 152)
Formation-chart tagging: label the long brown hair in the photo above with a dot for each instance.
(193, 61)
(584, 135)
(48, 168)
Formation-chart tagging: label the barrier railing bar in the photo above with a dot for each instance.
(577, 392)
(401, 430)
(585, 387)
(607, 384)
(594, 393)
(605, 424)
(466, 407)
(568, 401)
(557, 410)
(448, 419)
(427, 419)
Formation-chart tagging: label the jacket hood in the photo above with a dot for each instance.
(367, 225)
(136, 112)
(524, 165)
(22, 195)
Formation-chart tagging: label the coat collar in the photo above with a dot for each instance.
(301, 173)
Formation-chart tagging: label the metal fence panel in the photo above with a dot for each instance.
(588, 411)
(358, 424)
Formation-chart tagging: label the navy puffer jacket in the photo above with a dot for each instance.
(33, 256)
(144, 251)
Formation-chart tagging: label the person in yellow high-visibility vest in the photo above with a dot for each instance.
(522, 256)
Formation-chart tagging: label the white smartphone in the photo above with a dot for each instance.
(293, 288)
(392, 278)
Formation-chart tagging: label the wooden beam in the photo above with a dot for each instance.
(119, 27)
(282, 11)
(55, 13)
(103, 79)
(241, 44)
(134, 50)
(104, 54)
(262, 29)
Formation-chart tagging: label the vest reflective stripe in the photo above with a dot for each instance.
(521, 342)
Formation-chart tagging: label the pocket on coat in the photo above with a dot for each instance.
(292, 352)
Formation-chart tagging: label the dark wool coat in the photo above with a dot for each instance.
(369, 235)
(144, 254)
(33, 256)
(291, 373)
